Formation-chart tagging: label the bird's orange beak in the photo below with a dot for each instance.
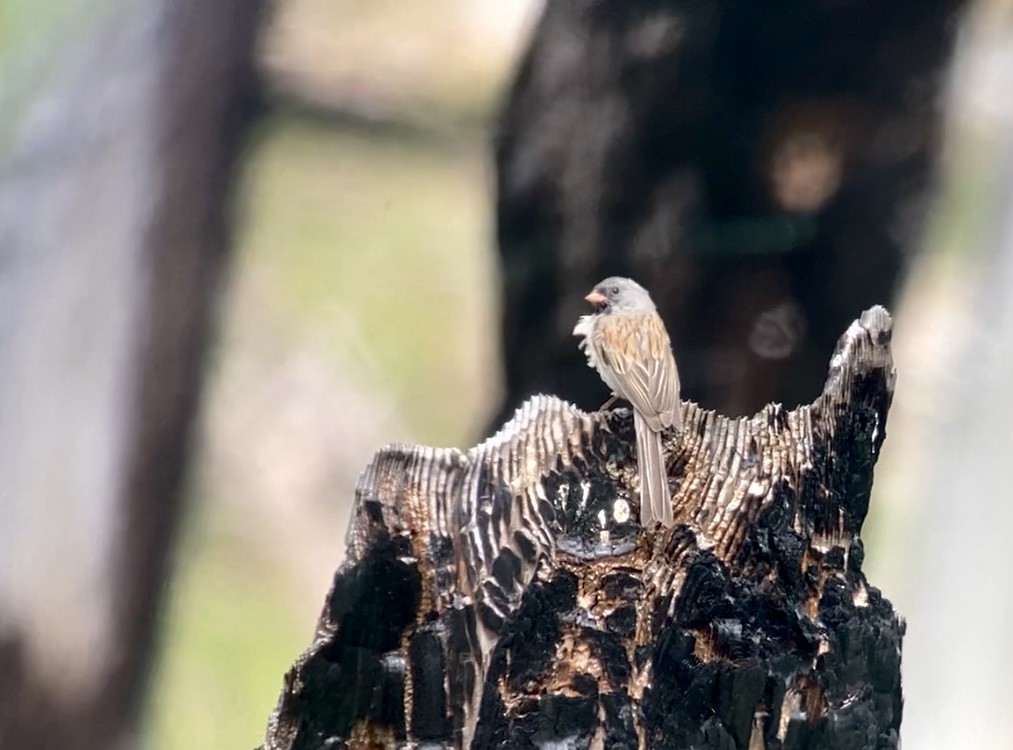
(596, 298)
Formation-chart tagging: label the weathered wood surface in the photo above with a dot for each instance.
(506, 596)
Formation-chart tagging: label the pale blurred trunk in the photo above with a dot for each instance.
(115, 170)
(953, 575)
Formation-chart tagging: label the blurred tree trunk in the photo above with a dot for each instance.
(761, 168)
(963, 500)
(115, 173)
(959, 491)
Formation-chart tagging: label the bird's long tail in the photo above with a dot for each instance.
(655, 498)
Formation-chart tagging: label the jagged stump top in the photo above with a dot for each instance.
(506, 596)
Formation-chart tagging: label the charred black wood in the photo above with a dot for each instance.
(506, 596)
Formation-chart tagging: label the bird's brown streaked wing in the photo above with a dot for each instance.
(665, 390)
(641, 357)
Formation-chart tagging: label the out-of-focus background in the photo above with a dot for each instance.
(361, 310)
(350, 168)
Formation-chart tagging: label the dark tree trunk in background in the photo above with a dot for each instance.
(506, 597)
(114, 232)
(761, 167)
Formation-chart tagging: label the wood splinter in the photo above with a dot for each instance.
(506, 596)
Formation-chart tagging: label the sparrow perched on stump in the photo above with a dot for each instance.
(626, 342)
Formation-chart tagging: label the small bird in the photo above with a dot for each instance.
(626, 342)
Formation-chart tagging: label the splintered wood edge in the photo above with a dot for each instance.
(721, 464)
(730, 466)
(408, 488)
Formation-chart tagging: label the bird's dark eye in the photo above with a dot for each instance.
(615, 290)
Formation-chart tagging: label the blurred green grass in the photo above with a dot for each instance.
(379, 239)
(230, 635)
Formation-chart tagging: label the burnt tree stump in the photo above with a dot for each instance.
(507, 597)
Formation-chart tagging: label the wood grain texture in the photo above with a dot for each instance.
(506, 597)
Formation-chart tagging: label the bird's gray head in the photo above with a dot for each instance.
(618, 293)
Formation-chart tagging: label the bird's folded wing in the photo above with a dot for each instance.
(641, 357)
